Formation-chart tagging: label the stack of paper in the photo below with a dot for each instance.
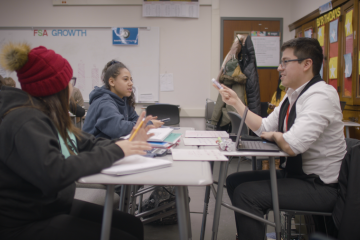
(200, 141)
(136, 164)
(198, 155)
(160, 134)
(206, 134)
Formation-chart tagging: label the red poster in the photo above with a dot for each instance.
(333, 82)
(348, 81)
(334, 47)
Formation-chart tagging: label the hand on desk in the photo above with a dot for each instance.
(280, 141)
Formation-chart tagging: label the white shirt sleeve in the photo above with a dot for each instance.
(270, 124)
(313, 114)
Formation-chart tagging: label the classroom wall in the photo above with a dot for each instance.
(301, 8)
(189, 48)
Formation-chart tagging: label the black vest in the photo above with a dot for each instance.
(293, 164)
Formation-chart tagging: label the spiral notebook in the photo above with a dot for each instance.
(136, 164)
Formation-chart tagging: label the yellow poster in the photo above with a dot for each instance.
(321, 35)
(348, 23)
(333, 68)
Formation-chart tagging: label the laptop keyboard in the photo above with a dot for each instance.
(257, 145)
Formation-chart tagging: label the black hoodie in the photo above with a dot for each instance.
(36, 181)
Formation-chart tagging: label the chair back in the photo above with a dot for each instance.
(235, 124)
(165, 111)
(209, 108)
(264, 108)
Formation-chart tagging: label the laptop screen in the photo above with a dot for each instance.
(241, 126)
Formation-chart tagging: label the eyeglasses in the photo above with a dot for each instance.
(73, 81)
(284, 63)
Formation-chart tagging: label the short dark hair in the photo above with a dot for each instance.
(1, 81)
(306, 48)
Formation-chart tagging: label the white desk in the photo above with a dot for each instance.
(219, 193)
(180, 174)
(348, 124)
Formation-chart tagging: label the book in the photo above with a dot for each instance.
(136, 164)
(172, 138)
(160, 134)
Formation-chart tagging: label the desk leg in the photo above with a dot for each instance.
(206, 206)
(108, 209)
(182, 215)
(122, 198)
(186, 193)
(275, 197)
(347, 133)
(219, 194)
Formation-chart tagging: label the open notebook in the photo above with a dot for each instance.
(160, 134)
(136, 164)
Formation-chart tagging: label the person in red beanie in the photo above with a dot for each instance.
(43, 154)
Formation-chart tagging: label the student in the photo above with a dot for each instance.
(112, 107)
(76, 94)
(277, 97)
(308, 126)
(8, 81)
(43, 154)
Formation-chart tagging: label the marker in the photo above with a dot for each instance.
(136, 130)
(217, 83)
(165, 120)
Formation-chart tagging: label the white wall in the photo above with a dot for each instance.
(301, 8)
(189, 48)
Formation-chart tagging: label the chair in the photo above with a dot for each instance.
(235, 124)
(264, 107)
(165, 111)
(291, 213)
(209, 108)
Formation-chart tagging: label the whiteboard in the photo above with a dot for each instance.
(89, 49)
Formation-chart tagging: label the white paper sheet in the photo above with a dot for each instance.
(206, 134)
(200, 141)
(171, 9)
(197, 155)
(136, 164)
(146, 97)
(160, 134)
(166, 82)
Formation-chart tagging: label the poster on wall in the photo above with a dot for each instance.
(171, 8)
(267, 48)
(125, 36)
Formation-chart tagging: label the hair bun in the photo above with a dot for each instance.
(14, 56)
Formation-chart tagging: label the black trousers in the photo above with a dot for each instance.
(83, 222)
(251, 191)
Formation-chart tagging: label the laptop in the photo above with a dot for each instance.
(253, 144)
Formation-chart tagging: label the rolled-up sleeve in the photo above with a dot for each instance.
(312, 117)
(270, 124)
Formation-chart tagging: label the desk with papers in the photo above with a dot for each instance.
(180, 174)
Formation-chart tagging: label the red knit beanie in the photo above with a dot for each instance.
(43, 73)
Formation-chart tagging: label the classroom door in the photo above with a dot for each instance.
(268, 78)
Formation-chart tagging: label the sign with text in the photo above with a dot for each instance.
(125, 36)
(267, 48)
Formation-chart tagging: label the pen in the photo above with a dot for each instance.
(165, 120)
(136, 130)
